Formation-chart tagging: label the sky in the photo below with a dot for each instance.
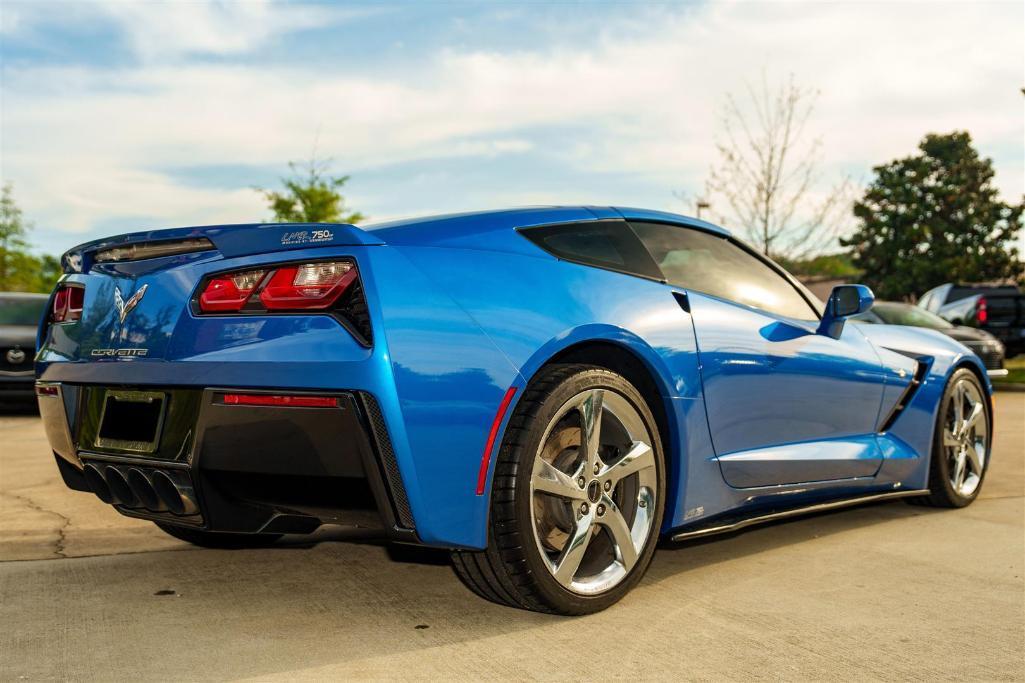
(118, 116)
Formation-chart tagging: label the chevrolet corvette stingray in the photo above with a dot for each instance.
(545, 392)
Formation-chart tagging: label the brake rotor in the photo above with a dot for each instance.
(555, 518)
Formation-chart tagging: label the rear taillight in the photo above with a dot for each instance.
(982, 311)
(311, 286)
(326, 286)
(300, 287)
(68, 301)
(229, 292)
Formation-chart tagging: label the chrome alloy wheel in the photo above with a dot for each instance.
(965, 437)
(593, 488)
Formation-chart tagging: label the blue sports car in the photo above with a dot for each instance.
(546, 392)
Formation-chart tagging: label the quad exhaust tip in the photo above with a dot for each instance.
(120, 488)
(134, 487)
(169, 493)
(98, 484)
(145, 491)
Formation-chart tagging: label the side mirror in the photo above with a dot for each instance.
(844, 301)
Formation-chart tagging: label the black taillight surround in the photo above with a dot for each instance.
(349, 310)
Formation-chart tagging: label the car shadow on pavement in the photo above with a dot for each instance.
(311, 605)
(676, 557)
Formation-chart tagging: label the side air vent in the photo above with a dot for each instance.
(905, 398)
(389, 464)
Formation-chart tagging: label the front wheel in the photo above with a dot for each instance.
(961, 445)
(578, 495)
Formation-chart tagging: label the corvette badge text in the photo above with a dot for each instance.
(120, 353)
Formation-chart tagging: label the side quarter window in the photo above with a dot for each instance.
(709, 263)
(604, 244)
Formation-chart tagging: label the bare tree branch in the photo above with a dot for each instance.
(768, 171)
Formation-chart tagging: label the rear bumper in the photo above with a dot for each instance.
(237, 468)
(16, 386)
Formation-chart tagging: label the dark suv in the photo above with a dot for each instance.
(19, 319)
(999, 310)
(982, 343)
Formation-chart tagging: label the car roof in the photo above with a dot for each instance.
(495, 229)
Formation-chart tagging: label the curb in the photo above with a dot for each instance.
(1008, 386)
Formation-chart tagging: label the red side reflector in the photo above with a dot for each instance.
(280, 400)
(46, 390)
(485, 461)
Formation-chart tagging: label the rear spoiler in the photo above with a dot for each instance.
(229, 240)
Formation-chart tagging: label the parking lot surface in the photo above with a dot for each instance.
(879, 592)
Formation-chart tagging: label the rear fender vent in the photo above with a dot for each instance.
(389, 464)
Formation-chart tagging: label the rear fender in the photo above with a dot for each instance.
(570, 304)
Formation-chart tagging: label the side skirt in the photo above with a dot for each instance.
(723, 528)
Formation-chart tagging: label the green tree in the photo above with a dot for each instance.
(934, 217)
(13, 238)
(47, 273)
(20, 269)
(826, 265)
(311, 195)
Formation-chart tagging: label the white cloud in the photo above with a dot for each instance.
(640, 99)
(165, 30)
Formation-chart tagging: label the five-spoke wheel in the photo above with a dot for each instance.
(962, 443)
(577, 498)
(965, 436)
(593, 486)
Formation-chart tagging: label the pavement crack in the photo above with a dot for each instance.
(62, 539)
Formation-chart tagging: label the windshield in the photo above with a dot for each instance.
(905, 314)
(19, 311)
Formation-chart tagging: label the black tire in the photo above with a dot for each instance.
(511, 570)
(217, 539)
(941, 489)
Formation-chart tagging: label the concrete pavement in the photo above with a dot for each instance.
(889, 591)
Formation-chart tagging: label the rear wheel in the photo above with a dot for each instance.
(961, 445)
(577, 500)
(217, 539)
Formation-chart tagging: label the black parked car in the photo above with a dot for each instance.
(985, 345)
(999, 310)
(19, 318)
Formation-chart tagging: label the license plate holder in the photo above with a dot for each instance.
(131, 420)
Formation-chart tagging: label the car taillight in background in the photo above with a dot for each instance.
(324, 286)
(67, 303)
(982, 311)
